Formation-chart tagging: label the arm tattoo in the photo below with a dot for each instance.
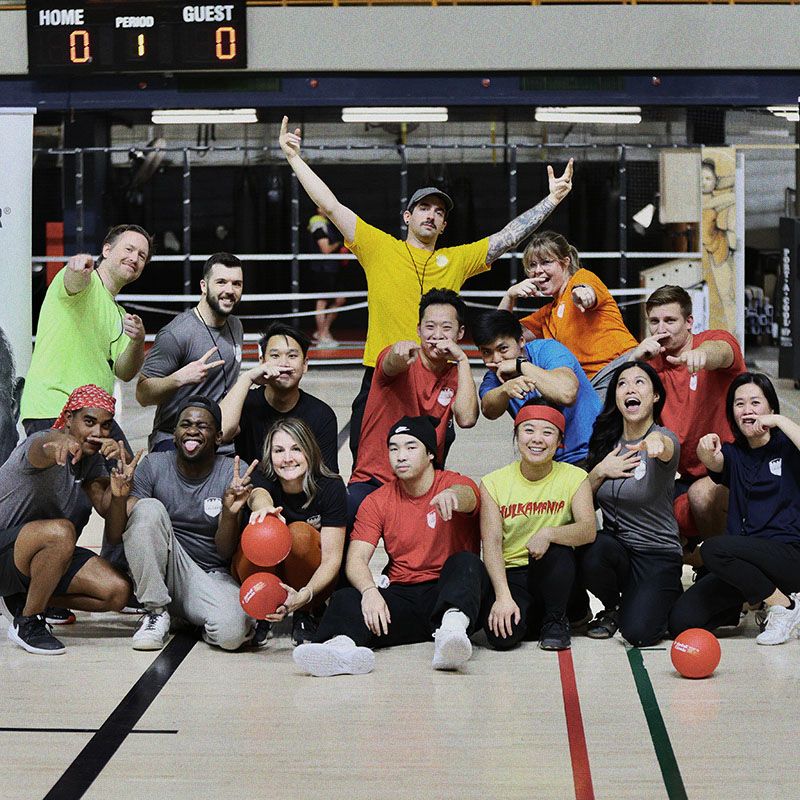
(519, 229)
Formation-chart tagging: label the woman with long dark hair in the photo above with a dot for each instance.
(295, 484)
(634, 565)
(757, 561)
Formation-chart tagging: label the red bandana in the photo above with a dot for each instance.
(89, 396)
(552, 415)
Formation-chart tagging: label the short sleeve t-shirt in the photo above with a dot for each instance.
(638, 510)
(193, 506)
(528, 506)
(78, 341)
(695, 404)
(417, 540)
(579, 417)
(596, 336)
(764, 485)
(319, 228)
(411, 393)
(186, 338)
(28, 494)
(258, 416)
(397, 277)
(328, 509)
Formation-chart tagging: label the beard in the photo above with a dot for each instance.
(213, 302)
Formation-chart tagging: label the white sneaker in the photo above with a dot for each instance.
(452, 650)
(153, 631)
(781, 623)
(337, 656)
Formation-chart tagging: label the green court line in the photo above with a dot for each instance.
(673, 781)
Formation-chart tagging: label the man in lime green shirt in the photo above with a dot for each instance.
(400, 272)
(84, 336)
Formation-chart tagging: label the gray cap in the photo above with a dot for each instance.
(426, 192)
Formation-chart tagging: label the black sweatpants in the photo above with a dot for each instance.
(357, 410)
(546, 587)
(644, 585)
(416, 609)
(740, 568)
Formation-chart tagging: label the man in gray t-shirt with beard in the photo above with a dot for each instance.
(179, 523)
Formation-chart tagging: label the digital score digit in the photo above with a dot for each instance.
(135, 36)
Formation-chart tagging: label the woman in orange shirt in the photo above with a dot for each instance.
(583, 315)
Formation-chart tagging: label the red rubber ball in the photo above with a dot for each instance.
(261, 594)
(695, 653)
(267, 543)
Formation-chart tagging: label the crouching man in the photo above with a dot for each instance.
(428, 519)
(178, 518)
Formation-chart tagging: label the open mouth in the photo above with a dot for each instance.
(191, 445)
(633, 402)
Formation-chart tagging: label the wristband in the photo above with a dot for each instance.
(520, 362)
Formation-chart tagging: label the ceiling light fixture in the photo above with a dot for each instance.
(378, 114)
(603, 115)
(204, 116)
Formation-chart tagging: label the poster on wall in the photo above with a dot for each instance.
(718, 235)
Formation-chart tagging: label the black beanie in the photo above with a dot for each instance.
(422, 428)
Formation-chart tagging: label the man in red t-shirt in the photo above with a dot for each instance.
(428, 520)
(696, 370)
(432, 378)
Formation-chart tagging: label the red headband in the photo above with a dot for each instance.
(552, 415)
(89, 396)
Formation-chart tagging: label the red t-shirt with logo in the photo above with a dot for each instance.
(411, 393)
(695, 404)
(417, 540)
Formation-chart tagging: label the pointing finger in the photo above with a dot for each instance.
(284, 125)
(550, 174)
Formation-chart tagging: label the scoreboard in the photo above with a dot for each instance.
(72, 38)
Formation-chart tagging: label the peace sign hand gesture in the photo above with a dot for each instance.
(196, 371)
(122, 475)
(239, 489)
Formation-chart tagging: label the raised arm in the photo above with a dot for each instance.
(465, 403)
(78, 273)
(154, 390)
(132, 357)
(709, 355)
(526, 223)
(709, 451)
(791, 429)
(231, 405)
(341, 216)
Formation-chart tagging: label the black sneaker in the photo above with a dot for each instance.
(604, 625)
(12, 605)
(261, 633)
(58, 616)
(304, 627)
(554, 634)
(33, 634)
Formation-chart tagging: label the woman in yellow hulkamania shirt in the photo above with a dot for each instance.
(533, 513)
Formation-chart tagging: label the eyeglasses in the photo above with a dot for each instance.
(534, 265)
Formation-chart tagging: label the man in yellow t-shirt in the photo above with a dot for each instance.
(400, 272)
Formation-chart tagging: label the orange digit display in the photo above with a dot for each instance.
(140, 45)
(226, 50)
(79, 49)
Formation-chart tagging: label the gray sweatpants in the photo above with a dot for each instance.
(164, 575)
(601, 380)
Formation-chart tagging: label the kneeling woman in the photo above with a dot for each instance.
(533, 513)
(634, 565)
(758, 559)
(295, 483)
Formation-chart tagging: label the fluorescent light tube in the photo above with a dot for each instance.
(201, 116)
(394, 114)
(609, 115)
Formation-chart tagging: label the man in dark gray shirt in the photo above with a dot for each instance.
(198, 352)
(48, 485)
(179, 522)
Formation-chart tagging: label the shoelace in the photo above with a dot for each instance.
(152, 618)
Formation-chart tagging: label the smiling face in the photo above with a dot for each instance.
(427, 219)
(669, 319)
(749, 402)
(635, 395)
(223, 288)
(501, 349)
(537, 441)
(283, 351)
(125, 258)
(84, 423)
(196, 434)
(439, 321)
(549, 273)
(288, 459)
(408, 457)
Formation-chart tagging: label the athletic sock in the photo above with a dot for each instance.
(454, 619)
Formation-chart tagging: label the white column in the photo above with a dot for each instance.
(16, 184)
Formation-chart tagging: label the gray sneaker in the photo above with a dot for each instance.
(337, 656)
(153, 631)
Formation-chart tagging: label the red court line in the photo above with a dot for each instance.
(581, 773)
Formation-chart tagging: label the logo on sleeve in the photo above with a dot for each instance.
(212, 506)
(432, 519)
(775, 466)
(445, 396)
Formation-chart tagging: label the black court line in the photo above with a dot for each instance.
(344, 435)
(99, 750)
(72, 730)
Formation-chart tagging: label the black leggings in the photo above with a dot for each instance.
(357, 411)
(416, 609)
(644, 585)
(740, 569)
(546, 587)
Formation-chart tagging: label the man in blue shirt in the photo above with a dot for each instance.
(541, 368)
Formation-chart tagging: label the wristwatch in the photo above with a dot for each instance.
(520, 362)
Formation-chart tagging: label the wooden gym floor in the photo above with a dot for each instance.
(600, 721)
